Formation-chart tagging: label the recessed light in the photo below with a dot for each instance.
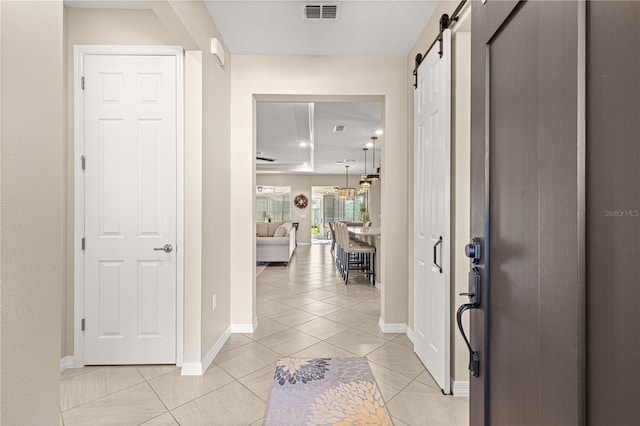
(305, 164)
(369, 144)
(302, 144)
(378, 132)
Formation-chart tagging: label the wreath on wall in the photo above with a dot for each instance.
(301, 201)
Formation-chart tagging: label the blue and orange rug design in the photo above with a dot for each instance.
(321, 391)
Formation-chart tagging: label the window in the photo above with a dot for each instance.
(355, 210)
(273, 203)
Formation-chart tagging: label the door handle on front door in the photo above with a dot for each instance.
(474, 302)
(473, 252)
(167, 248)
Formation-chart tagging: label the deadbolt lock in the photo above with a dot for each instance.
(473, 250)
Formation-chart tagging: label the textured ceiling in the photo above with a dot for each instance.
(107, 4)
(364, 28)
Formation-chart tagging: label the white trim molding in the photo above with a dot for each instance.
(199, 368)
(244, 328)
(410, 335)
(392, 327)
(67, 362)
(460, 388)
(191, 369)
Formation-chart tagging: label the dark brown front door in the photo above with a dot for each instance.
(613, 212)
(528, 210)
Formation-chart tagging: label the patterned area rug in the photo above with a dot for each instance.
(320, 391)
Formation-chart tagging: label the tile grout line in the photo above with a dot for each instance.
(105, 396)
(158, 396)
(203, 395)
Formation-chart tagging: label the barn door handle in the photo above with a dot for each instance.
(435, 256)
(167, 248)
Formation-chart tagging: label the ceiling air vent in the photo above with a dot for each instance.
(322, 11)
(338, 128)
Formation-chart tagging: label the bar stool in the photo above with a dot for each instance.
(354, 256)
(333, 238)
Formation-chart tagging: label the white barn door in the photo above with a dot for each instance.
(130, 180)
(432, 182)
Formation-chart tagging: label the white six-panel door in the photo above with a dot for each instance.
(432, 156)
(130, 209)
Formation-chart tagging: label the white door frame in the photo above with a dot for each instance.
(78, 255)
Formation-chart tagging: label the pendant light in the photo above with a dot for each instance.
(365, 183)
(373, 177)
(346, 193)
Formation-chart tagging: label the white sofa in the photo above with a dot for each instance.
(272, 248)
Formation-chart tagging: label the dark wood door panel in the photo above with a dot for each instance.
(525, 111)
(613, 212)
(533, 230)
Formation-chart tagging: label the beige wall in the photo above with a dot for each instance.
(301, 184)
(460, 183)
(207, 154)
(1, 262)
(32, 216)
(375, 204)
(193, 205)
(191, 22)
(461, 197)
(95, 26)
(384, 77)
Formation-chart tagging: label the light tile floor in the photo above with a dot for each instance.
(303, 310)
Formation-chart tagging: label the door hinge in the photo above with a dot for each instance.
(83, 243)
(82, 82)
(83, 161)
(82, 324)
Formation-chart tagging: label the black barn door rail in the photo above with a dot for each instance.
(445, 22)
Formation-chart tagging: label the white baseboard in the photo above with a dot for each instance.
(244, 328)
(460, 388)
(198, 368)
(410, 335)
(304, 244)
(67, 362)
(191, 369)
(392, 327)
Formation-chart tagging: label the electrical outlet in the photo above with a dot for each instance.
(215, 302)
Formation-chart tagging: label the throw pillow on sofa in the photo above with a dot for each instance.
(280, 232)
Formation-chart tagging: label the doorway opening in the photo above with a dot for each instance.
(325, 210)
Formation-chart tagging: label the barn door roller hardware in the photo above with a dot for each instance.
(445, 22)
